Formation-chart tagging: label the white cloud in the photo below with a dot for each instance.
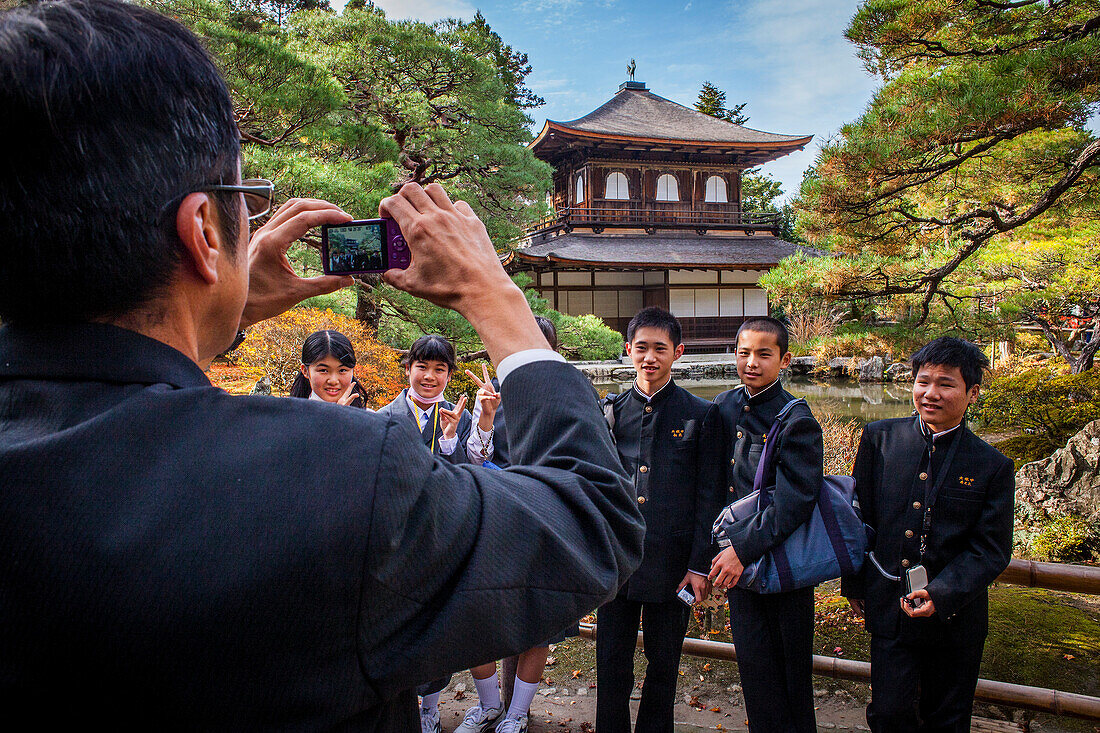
(425, 10)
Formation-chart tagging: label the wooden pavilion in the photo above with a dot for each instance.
(647, 211)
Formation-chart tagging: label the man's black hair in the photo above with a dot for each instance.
(952, 352)
(111, 113)
(549, 331)
(767, 324)
(654, 317)
(431, 347)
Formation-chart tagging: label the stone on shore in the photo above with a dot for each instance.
(1067, 482)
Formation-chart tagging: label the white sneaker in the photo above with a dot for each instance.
(512, 725)
(479, 719)
(429, 721)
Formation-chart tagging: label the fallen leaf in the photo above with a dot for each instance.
(460, 695)
(551, 661)
(694, 702)
(716, 710)
(706, 667)
(1067, 656)
(576, 673)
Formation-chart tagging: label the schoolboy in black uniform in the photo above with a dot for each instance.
(774, 632)
(939, 499)
(668, 440)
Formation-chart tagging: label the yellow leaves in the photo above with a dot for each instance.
(274, 348)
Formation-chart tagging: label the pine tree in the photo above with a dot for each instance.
(712, 101)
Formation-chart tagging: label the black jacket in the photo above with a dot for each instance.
(175, 557)
(796, 477)
(670, 446)
(970, 540)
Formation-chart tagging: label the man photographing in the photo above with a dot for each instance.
(174, 557)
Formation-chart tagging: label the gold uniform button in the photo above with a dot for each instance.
(643, 469)
(649, 408)
(923, 476)
(731, 489)
(905, 563)
(745, 408)
(916, 505)
(909, 533)
(641, 500)
(733, 461)
(740, 434)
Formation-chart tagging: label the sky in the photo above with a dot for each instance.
(788, 59)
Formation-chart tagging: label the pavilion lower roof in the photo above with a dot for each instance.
(671, 250)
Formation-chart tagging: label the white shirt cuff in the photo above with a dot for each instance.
(447, 445)
(514, 361)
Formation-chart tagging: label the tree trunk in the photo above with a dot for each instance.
(366, 305)
(508, 679)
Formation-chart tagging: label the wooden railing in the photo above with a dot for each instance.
(658, 215)
(1053, 576)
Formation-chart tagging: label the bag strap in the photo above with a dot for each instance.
(766, 458)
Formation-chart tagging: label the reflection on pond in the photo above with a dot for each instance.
(844, 400)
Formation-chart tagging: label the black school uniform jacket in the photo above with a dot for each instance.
(433, 431)
(179, 558)
(669, 445)
(795, 479)
(970, 540)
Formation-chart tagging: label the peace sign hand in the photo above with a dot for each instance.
(350, 395)
(449, 419)
(487, 397)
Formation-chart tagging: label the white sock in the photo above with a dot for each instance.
(430, 703)
(488, 692)
(522, 695)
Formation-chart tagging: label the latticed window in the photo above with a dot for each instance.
(617, 187)
(579, 197)
(667, 189)
(716, 191)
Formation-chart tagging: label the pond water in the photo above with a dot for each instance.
(863, 403)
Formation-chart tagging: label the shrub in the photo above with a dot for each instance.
(1048, 405)
(461, 384)
(586, 337)
(1065, 539)
(841, 441)
(233, 378)
(850, 344)
(274, 348)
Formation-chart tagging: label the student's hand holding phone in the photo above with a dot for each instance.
(725, 569)
(699, 585)
(449, 419)
(487, 397)
(918, 604)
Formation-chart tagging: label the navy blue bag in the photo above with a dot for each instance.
(831, 544)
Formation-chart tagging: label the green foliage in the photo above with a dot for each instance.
(1047, 405)
(977, 130)
(406, 318)
(712, 101)
(1065, 539)
(759, 191)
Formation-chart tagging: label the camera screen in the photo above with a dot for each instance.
(355, 248)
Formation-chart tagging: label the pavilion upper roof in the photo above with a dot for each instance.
(636, 115)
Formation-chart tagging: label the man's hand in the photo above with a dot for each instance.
(926, 607)
(700, 586)
(725, 569)
(273, 286)
(857, 605)
(449, 419)
(455, 265)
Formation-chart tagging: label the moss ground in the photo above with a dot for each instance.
(1036, 637)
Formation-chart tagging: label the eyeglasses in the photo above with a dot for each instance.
(258, 193)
